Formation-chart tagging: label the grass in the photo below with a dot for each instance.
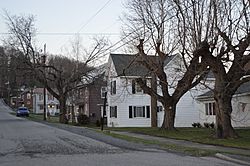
(172, 147)
(201, 135)
(39, 117)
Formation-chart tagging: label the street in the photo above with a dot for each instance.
(24, 142)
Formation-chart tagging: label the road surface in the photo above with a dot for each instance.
(24, 142)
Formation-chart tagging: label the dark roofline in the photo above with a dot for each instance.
(127, 65)
(244, 89)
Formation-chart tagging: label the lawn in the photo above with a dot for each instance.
(39, 117)
(201, 135)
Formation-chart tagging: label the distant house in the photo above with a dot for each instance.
(26, 99)
(130, 107)
(89, 97)
(52, 104)
(240, 103)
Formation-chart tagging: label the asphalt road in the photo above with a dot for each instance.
(24, 142)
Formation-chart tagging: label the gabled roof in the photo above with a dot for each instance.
(244, 88)
(128, 64)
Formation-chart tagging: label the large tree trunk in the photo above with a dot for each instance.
(153, 102)
(223, 117)
(169, 116)
(63, 110)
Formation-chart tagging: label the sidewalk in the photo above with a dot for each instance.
(235, 154)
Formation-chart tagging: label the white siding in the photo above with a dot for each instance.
(188, 110)
(123, 99)
(241, 111)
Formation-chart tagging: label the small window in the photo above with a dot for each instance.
(139, 111)
(40, 97)
(28, 96)
(113, 88)
(103, 91)
(210, 108)
(113, 111)
(136, 88)
(41, 107)
(159, 109)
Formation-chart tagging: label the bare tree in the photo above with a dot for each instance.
(155, 22)
(62, 74)
(223, 26)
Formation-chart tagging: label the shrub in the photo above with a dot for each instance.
(212, 125)
(199, 125)
(207, 125)
(98, 124)
(83, 119)
(194, 125)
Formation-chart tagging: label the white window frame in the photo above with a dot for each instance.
(112, 111)
(138, 112)
(113, 87)
(103, 90)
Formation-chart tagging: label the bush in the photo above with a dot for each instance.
(83, 119)
(212, 125)
(198, 125)
(194, 125)
(207, 125)
(98, 124)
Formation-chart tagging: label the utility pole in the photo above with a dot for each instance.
(44, 87)
(104, 110)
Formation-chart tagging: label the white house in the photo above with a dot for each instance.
(52, 104)
(130, 107)
(240, 116)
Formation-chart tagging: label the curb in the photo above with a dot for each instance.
(224, 157)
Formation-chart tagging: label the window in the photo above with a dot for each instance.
(159, 109)
(210, 108)
(103, 91)
(40, 97)
(136, 88)
(28, 96)
(113, 111)
(50, 97)
(139, 111)
(41, 107)
(113, 87)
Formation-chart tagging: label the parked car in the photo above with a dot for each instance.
(22, 111)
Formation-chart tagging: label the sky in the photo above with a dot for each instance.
(57, 21)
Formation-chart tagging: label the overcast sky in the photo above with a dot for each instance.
(67, 16)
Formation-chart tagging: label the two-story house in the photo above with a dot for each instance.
(130, 107)
(89, 97)
(52, 104)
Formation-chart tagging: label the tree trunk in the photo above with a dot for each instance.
(224, 127)
(169, 116)
(153, 102)
(63, 110)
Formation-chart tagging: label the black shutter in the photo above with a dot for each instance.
(116, 111)
(148, 111)
(130, 112)
(143, 113)
(114, 88)
(110, 111)
(133, 86)
(134, 111)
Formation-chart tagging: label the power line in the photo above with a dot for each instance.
(67, 33)
(93, 16)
